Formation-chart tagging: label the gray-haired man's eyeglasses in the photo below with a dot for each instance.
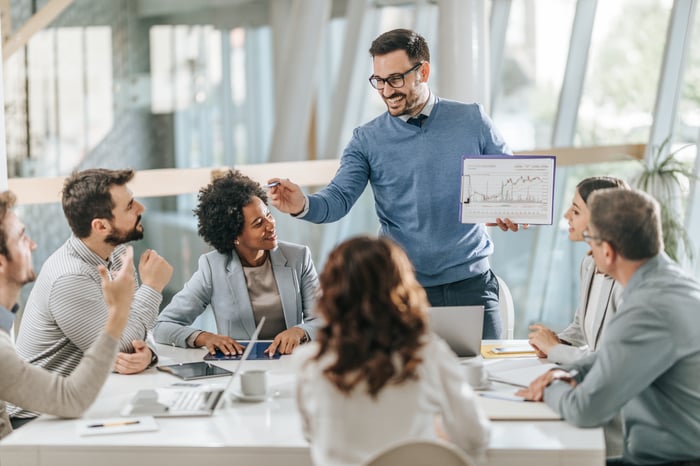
(588, 238)
(395, 80)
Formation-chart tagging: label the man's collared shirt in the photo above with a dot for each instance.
(7, 317)
(425, 110)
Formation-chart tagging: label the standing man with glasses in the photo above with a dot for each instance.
(647, 367)
(411, 155)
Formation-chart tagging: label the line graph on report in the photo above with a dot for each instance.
(518, 188)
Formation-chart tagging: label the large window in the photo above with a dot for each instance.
(623, 72)
(534, 60)
(113, 84)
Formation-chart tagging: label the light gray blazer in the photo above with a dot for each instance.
(574, 334)
(220, 283)
(647, 366)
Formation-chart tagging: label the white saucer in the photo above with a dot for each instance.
(251, 398)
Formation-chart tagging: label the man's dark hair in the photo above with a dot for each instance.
(220, 210)
(86, 197)
(7, 203)
(413, 43)
(629, 220)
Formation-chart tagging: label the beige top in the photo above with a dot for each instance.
(37, 389)
(265, 299)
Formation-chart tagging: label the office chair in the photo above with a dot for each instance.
(421, 453)
(505, 303)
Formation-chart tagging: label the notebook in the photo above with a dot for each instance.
(116, 425)
(179, 402)
(460, 326)
(518, 372)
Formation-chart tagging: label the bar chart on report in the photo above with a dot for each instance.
(517, 188)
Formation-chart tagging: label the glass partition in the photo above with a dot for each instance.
(115, 83)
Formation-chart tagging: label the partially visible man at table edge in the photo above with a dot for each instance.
(648, 363)
(411, 155)
(30, 386)
(66, 308)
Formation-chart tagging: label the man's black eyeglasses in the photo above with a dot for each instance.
(395, 80)
(588, 238)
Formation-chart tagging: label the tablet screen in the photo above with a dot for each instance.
(195, 370)
(258, 353)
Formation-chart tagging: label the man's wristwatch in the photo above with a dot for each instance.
(154, 358)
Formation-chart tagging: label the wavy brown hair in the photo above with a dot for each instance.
(374, 310)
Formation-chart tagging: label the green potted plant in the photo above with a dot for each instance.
(664, 176)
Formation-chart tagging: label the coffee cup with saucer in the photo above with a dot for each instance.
(253, 386)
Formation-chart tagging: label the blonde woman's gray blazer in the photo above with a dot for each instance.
(609, 301)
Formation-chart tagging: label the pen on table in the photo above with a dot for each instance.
(497, 396)
(115, 423)
(271, 185)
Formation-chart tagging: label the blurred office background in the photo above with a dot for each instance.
(153, 84)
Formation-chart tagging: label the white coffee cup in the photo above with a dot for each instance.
(475, 373)
(254, 383)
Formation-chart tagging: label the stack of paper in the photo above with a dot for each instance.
(518, 372)
(499, 409)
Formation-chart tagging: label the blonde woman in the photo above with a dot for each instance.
(598, 292)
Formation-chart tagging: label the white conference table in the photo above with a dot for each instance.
(263, 433)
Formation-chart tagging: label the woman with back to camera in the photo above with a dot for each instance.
(376, 376)
(598, 293)
(250, 274)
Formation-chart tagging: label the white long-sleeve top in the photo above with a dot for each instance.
(350, 429)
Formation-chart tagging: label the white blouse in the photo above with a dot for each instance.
(592, 310)
(350, 429)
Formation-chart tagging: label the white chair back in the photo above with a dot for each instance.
(505, 303)
(421, 453)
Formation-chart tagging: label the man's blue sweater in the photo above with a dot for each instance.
(415, 174)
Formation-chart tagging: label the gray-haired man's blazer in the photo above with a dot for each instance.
(220, 282)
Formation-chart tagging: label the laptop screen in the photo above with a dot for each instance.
(460, 326)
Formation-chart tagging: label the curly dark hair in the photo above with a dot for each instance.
(220, 209)
(415, 45)
(7, 203)
(86, 197)
(374, 309)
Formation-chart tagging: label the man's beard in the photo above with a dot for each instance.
(118, 237)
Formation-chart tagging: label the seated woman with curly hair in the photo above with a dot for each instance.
(250, 274)
(376, 376)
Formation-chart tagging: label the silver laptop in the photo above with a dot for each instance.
(179, 402)
(460, 326)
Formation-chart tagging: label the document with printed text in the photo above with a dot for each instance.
(519, 188)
